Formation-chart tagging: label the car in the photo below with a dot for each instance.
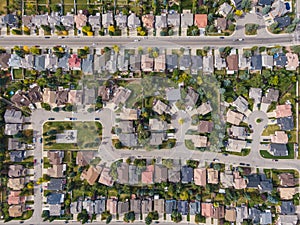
(242, 164)
(41, 160)
(97, 118)
(275, 160)
(73, 118)
(241, 39)
(41, 140)
(216, 160)
(61, 37)
(51, 118)
(225, 154)
(247, 164)
(136, 40)
(34, 161)
(222, 37)
(41, 190)
(34, 140)
(47, 37)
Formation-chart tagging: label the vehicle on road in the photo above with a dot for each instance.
(216, 160)
(51, 118)
(47, 37)
(34, 140)
(73, 118)
(97, 118)
(242, 164)
(41, 190)
(222, 37)
(34, 161)
(136, 40)
(41, 160)
(41, 140)
(225, 154)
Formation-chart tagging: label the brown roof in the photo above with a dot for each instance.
(16, 171)
(147, 63)
(16, 183)
(54, 157)
(200, 176)
(287, 179)
(279, 137)
(14, 198)
(205, 126)
(103, 91)
(222, 23)
(239, 182)
(207, 209)
(201, 20)
(111, 205)
(212, 176)
(148, 21)
(123, 173)
(160, 174)
(292, 61)
(56, 170)
(219, 212)
(62, 97)
(4, 58)
(91, 175)
(159, 205)
(106, 178)
(287, 193)
(84, 158)
(80, 20)
(230, 215)
(20, 99)
(233, 62)
(147, 175)
(35, 95)
(16, 210)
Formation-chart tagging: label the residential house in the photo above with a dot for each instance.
(183, 207)
(280, 60)
(265, 2)
(148, 175)
(244, 63)
(91, 175)
(199, 141)
(200, 176)
(27, 62)
(39, 20)
(80, 20)
(147, 63)
(172, 62)
(39, 62)
(232, 63)
(133, 21)
(286, 123)
(121, 95)
(4, 61)
(57, 170)
(122, 63)
(283, 22)
(171, 206)
(236, 145)
(17, 156)
(238, 132)
(191, 98)
(159, 107)
(34, 94)
(20, 99)
(63, 62)
(133, 175)
(241, 213)
(67, 21)
(205, 126)
(185, 62)
(95, 21)
(173, 20)
(208, 64)
(87, 64)
(187, 174)
(271, 95)
(174, 174)
(221, 23)
(267, 61)
(99, 206)
(160, 63)
(226, 179)
(241, 104)
(135, 206)
(107, 19)
(53, 19)
(128, 114)
(159, 205)
(220, 62)
(200, 20)
(292, 61)
(88, 205)
(75, 97)
(16, 184)
(15, 144)
(106, 178)
(224, 9)
(148, 21)
(255, 94)
(259, 181)
(157, 139)
(74, 62)
(121, 20)
(12, 129)
(207, 209)
(104, 93)
(256, 63)
(283, 111)
(111, 205)
(265, 218)
(195, 208)
(123, 207)
(49, 96)
(55, 157)
(278, 149)
(16, 210)
(287, 193)
(197, 64)
(135, 63)
(230, 215)
(123, 173)
(237, 4)
(27, 21)
(212, 176)
(161, 21)
(218, 212)
(280, 137)
(14, 61)
(51, 61)
(16, 171)
(129, 140)
(56, 184)
(234, 118)
(146, 206)
(126, 126)
(160, 173)
(187, 19)
(288, 219)
(287, 180)
(61, 96)
(15, 198)
(173, 94)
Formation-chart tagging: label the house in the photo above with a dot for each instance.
(133, 175)
(267, 61)
(237, 4)
(226, 179)
(14, 61)
(278, 149)
(15, 198)
(256, 63)
(212, 176)
(122, 63)
(161, 21)
(208, 64)
(218, 212)
(27, 21)
(111, 205)
(157, 139)
(4, 61)
(173, 94)
(221, 23)
(171, 206)
(254, 215)
(123, 173)
(220, 62)
(232, 63)
(146, 206)
(199, 141)
(185, 62)
(61, 96)
(159, 205)
(20, 99)
(87, 64)
(255, 94)
(11, 20)
(74, 62)
(148, 175)
(123, 207)
(67, 21)
(236, 145)
(91, 175)
(80, 20)
(239, 182)
(172, 62)
(200, 176)
(104, 93)
(16, 210)
(265, 218)
(135, 206)
(191, 98)
(200, 21)
(126, 126)
(135, 63)
(99, 206)
(95, 21)
(286, 123)
(34, 94)
(174, 174)
(88, 205)
(121, 95)
(160, 173)
(157, 125)
(16, 184)
(244, 63)
(54, 19)
(207, 209)
(224, 9)
(280, 137)
(287, 193)
(271, 95)
(75, 97)
(57, 170)
(56, 184)
(234, 117)
(205, 126)
(238, 132)
(241, 213)
(160, 63)
(16, 171)
(159, 107)
(292, 61)
(50, 62)
(15, 144)
(283, 111)
(106, 178)
(287, 180)
(55, 198)
(265, 2)
(187, 19)
(148, 21)
(241, 104)
(283, 22)
(197, 64)
(17, 156)
(129, 140)
(147, 63)
(183, 207)
(128, 114)
(187, 174)
(12, 129)
(107, 19)
(133, 21)
(121, 20)
(63, 62)
(288, 219)
(195, 207)
(173, 20)
(259, 181)
(280, 60)
(39, 20)
(55, 157)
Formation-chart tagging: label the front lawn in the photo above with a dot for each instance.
(88, 135)
(270, 130)
(267, 155)
(244, 152)
(18, 74)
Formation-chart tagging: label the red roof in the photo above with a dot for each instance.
(206, 209)
(74, 61)
(201, 20)
(14, 198)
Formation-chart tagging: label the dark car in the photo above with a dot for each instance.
(242, 164)
(225, 154)
(34, 161)
(41, 140)
(51, 118)
(41, 160)
(47, 37)
(221, 37)
(97, 118)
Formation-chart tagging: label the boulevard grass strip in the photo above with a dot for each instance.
(267, 155)
(244, 152)
(88, 135)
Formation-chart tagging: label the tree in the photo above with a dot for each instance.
(273, 26)
(111, 29)
(46, 106)
(55, 7)
(116, 48)
(231, 27)
(35, 51)
(83, 216)
(148, 220)
(246, 5)
(296, 49)
(199, 218)
(176, 217)
(129, 217)
(56, 109)
(291, 28)
(266, 9)
(46, 28)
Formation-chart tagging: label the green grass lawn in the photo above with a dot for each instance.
(42, 2)
(267, 155)
(3, 6)
(270, 130)
(88, 135)
(18, 74)
(244, 152)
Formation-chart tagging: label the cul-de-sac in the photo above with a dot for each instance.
(149, 112)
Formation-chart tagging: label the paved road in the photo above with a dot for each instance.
(285, 39)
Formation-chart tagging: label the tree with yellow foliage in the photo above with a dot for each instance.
(90, 33)
(116, 48)
(26, 49)
(111, 29)
(239, 12)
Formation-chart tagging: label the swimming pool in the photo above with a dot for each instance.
(287, 6)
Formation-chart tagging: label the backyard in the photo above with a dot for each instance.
(87, 135)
